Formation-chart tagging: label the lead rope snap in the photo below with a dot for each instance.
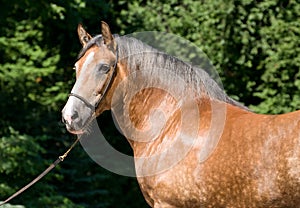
(62, 157)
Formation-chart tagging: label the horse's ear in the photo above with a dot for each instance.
(84, 37)
(107, 36)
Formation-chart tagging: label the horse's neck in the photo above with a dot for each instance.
(155, 118)
(142, 114)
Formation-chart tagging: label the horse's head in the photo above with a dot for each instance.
(95, 71)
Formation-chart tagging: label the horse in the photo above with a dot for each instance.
(193, 145)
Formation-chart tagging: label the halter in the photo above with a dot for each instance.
(103, 93)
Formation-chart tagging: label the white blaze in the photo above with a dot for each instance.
(88, 61)
(69, 105)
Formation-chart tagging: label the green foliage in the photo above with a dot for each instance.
(254, 46)
(280, 43)
(21, 155)
(27, 65)
(12, 206)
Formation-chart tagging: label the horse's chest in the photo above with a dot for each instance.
(175, 187)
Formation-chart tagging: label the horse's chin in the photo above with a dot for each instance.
(77, 132)
(74, 131)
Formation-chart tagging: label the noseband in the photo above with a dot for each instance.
(103, 93)
(89, 105)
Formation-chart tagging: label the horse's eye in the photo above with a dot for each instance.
(104, 68)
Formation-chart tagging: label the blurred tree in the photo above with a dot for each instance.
(252, 44)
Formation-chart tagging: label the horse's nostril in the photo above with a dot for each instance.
(74, 116)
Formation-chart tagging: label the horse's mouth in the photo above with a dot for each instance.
(75, 131)
(82, 129)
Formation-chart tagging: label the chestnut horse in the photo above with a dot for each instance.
(193, 145)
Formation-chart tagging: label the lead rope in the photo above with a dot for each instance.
(59, 159)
